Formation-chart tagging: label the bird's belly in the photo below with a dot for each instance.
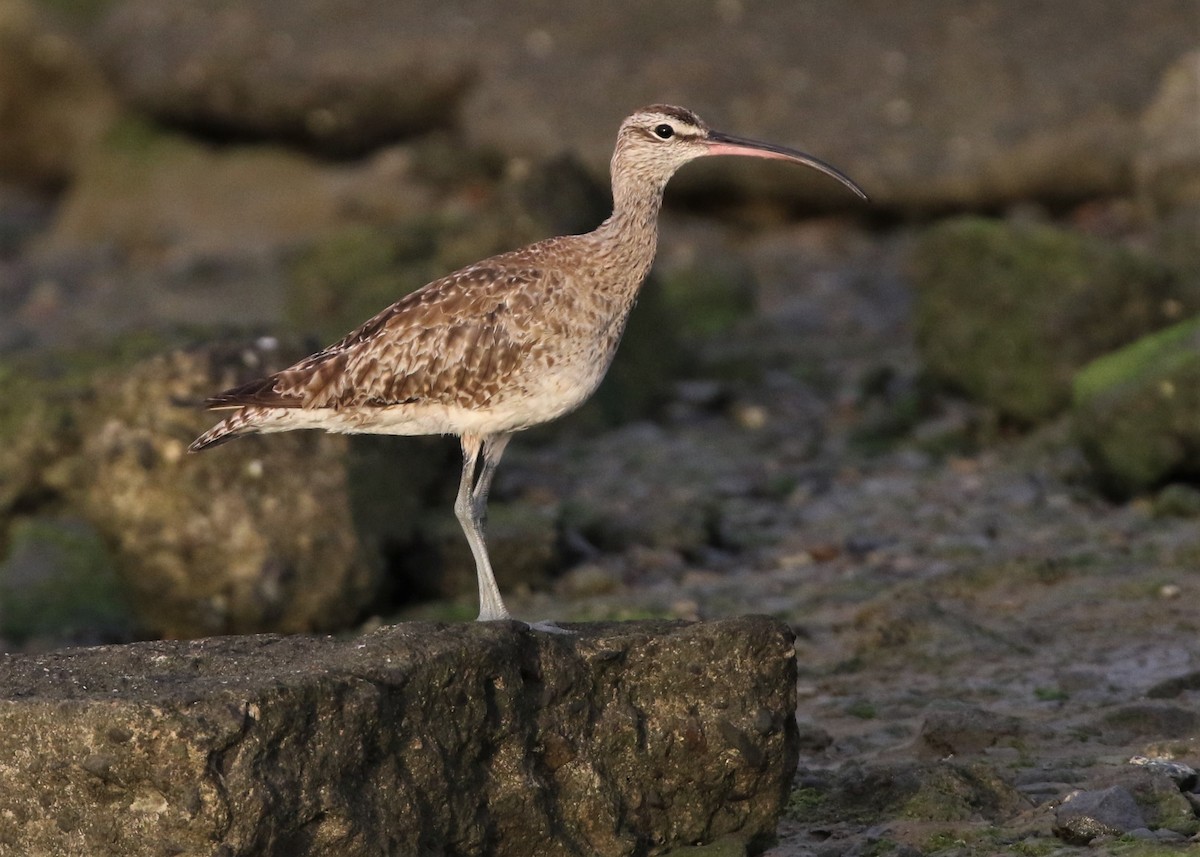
(530, 400)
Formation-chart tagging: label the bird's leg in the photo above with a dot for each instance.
(471, 509)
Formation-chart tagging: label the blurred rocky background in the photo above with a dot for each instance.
(952, 437)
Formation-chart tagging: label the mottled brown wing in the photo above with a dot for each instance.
(458, 340)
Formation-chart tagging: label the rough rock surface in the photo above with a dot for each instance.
(256, 536)
(926, 108)
(163, 198)
(240, 539)
(414, 739)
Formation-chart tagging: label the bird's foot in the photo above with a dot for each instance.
(545, 626)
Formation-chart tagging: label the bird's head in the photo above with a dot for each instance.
(656, 141)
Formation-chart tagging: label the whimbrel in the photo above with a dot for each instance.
(507, 343)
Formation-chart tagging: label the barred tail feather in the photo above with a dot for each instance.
(233, 426)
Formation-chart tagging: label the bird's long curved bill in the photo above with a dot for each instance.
(727, 144)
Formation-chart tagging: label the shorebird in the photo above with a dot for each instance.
(508, 343)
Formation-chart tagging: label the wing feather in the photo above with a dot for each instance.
(459, 340)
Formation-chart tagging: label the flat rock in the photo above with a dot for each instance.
(337, 82)
(415, 739)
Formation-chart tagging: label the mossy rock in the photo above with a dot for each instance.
(1162, 802)
(1166, 163)
(1008, 312)
(709, 300)
(58, 581)
(154, 196)
(339, 281)
(522, 543)
(1136, 413)
(929, 791)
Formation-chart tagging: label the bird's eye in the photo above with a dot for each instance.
(664, 131)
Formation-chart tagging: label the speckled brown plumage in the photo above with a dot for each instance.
(504, 344)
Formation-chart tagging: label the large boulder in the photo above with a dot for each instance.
(415, 739)
(993, 103)
(280, 533)
(54, 102)
(242, 538)
(1009, 312)
(1137, 411)
(336, 82)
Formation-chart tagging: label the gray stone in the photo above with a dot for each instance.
(415, 739)
(163, 198)
(1177, 500)
(522, 542)
(641, 485)
(920, 791)
(1158, 796)
(1184, 776)
(1085, 815)
(1175, 686)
